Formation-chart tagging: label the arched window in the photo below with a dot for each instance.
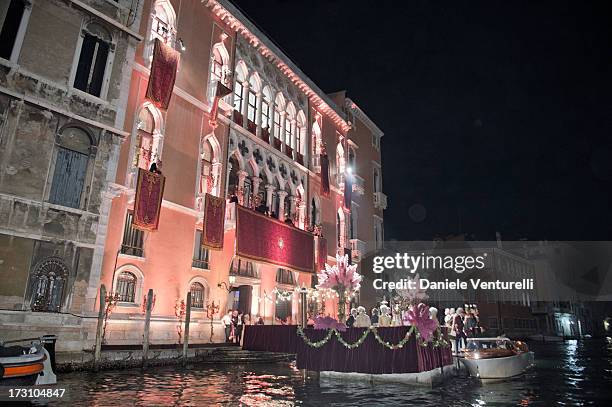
(316, 147)
(279, 106)
(95, 58)
(74, 147)
(340, 165)
(252, 104)
(144, 148)
(163, 26)
(239, 96)
(219, 61)
(47, 283)
(126, 287)
(300, 131)
(198, 295)
(206, 157)
(289, 123)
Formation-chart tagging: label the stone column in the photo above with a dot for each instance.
(245, 102)
(282, 129)
(292, 208)
(294, 134)
(281, 204)
(241, 176)
(272, 110)
(255, 181)
(258, 114)
(269, 192)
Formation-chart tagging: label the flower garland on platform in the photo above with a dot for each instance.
(438, 340)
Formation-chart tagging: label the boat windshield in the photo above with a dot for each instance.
(490, 344)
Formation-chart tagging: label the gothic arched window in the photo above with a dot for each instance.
(198, 294)
(47, 284)
(126, 286)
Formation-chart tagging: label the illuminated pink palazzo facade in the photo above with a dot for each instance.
(265, 147)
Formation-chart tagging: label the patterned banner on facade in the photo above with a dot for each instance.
(163, 74)
(147, 204)
(214, 222)
(220, 92)
(324, 175)
(321, 253)
(348, 190)
(265, 239)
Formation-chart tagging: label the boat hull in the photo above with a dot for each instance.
(499, 368)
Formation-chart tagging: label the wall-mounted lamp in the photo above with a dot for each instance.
(182, 44)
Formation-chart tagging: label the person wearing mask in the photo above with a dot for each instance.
(469, 323)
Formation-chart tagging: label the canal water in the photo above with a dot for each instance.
(566, 374)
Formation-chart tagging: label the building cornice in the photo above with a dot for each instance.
(234, 18)
(360, 114)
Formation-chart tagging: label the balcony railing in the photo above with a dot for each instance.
(358, 184)
(358, 249)
(380, 200)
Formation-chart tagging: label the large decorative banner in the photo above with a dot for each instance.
(163, 74)
(321, 253)
(348, 190)
(149, 195)
(214, 222)
(265, 239)
(324, 175)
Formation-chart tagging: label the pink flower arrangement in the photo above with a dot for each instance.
(413, 295)
(418, 316)
(341, 277)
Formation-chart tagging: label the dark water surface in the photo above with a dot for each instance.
(566, 374)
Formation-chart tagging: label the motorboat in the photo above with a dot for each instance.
(496, 358)
(28, 365)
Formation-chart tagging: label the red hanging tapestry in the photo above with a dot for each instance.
(147, 204)
(265, 239)
(214, 222)
(163, 74)
(348, 190)
(322, 253)
(324, 175)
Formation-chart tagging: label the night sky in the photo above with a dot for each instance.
(497, 114)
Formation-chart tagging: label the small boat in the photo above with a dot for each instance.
(496, 358)
(28, 365)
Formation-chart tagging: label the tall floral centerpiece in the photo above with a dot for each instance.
(343, 279)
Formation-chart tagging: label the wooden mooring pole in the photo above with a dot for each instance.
(100, 327)
(145, 343)
(187, 319)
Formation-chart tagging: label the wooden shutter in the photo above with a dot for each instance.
(68, 178)
(97, 77)
(85, 61)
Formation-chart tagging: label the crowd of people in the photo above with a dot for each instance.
(233, 322)
(462, 324)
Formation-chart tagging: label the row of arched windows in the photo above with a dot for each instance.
(128, 287)
(268, 114)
